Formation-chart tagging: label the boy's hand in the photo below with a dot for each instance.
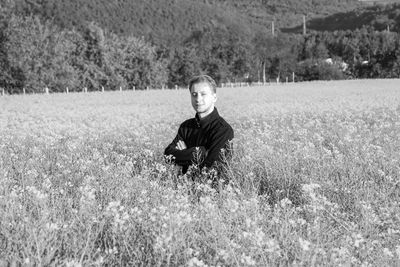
(181, 145)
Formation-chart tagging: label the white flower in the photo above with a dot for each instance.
(195, 262)
(247, 260)
(309, 188)
(387, 252)
(272, 246)
(358, 240)
(398, 251)
(285, 202)
(304, 244)
(52, 226)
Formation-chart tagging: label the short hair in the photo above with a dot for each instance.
(203, 79)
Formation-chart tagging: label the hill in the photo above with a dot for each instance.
(98, 43)
(288, 13)
(379, 17)
(171, 21)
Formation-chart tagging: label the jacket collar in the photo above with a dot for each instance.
(201, 123)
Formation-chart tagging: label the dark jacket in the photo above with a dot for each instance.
(211, 134)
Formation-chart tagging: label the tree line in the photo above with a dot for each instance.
(37, 54)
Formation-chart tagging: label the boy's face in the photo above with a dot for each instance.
(203, 99)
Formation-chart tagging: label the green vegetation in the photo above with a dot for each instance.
(380, 17)
(173, 20)
(138, 44)
(315, 179)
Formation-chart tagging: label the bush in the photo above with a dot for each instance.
(310, 70)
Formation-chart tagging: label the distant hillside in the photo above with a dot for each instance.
(380, 17)
(289, 12)
(171, 21)
(161, 20)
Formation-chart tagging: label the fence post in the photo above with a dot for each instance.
(67, 90)
(287, 79)
(176, 87)
(85, 89)
(134, 88)
(23, 89)
(46, 90)
(147, 88)
(2, 91)
(120, 88)
(102, 89)
(293, 77)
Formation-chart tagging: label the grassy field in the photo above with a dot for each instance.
(315, 179)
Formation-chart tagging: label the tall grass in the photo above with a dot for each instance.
(314, 179)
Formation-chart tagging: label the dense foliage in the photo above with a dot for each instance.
(315, 179)
(172, 20)
(82, 44)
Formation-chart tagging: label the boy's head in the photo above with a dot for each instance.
(203, 79)
(203, 92)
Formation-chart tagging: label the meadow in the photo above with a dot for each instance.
(315, 179)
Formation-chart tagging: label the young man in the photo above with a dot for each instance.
(205, 138)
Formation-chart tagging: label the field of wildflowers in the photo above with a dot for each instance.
(315, 179)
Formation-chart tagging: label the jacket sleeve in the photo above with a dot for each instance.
(219, 140)
(185, 156)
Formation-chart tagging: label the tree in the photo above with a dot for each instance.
(134, 62)
(92, 66)
(184, 64)
(37, 54)
(11, 77)
(278, 55)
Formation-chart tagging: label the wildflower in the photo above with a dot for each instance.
(398, 251)
(285, 202)
(73, 263)
(129, 166)
(52, 226)
(195, 262)
(88, 195)
(46, 183)
(310, 188)
(247, 260)
(36, 193)
(249, 222)
(358, 240)
(304, 244)
(272, 246)
(111, 251)
(232, 205)
(113, 205)
(387, 252)
(189, 251)
(381, 173)
(301, 221)
(160, 168)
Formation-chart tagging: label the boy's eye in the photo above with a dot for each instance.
(196, 94)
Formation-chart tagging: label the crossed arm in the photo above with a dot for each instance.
(186, 156)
